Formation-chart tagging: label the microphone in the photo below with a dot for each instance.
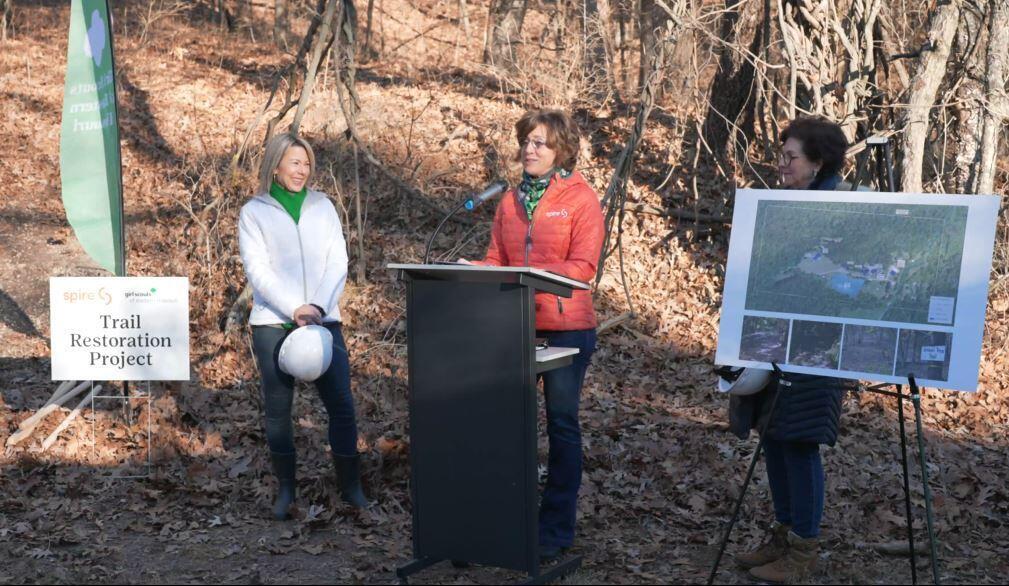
(493, 190)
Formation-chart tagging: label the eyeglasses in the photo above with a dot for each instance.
(537, 143)
(785, 159)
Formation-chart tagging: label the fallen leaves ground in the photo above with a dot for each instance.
(661, 468)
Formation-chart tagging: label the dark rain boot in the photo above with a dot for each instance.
(348, 480)
(284, 467)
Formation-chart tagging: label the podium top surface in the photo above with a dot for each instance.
(554, 353)
(448, 269)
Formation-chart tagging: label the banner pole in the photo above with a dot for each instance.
(121, 251)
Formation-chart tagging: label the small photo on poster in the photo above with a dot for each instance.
(816, 344)
(924, 354)
(764, 339)
(869, 349)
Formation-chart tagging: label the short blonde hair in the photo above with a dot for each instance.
(276, 147)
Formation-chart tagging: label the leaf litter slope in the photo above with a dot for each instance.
(661, 468)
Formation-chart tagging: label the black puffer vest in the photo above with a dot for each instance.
(808, 407)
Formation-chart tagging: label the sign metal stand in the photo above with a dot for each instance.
(128, 410)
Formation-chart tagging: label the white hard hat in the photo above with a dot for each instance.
(307, 352)
(748, 381)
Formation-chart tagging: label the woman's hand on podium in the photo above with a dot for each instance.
(463, 261)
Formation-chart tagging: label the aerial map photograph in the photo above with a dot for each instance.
(853, 260)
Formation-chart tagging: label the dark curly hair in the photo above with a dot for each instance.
(562, 135)
(822, 142)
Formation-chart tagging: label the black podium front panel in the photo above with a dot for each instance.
(472, 422)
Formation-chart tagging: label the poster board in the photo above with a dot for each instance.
(861, 285)
(119, 328)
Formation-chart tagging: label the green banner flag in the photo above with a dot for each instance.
(90, 168)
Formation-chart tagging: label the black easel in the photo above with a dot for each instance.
(880, 147)
(749, 473)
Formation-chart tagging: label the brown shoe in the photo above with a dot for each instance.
(774, 547)
(795, 567)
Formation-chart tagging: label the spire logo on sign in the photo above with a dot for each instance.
(94, 42)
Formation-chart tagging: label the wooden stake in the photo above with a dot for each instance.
(59, 391)
(28, 425)
(69, 418)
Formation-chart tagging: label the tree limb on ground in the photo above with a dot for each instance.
(614, 321)
(28, 426)
(69, 418)
(642, 208)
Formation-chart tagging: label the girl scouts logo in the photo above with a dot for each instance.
(94, 42)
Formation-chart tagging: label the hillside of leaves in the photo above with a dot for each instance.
(661, 468)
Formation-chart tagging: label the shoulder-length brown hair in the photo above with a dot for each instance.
(562, 135)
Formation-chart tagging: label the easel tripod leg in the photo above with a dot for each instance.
(735, 510)
(916, 400)
(745, 486)
(907, 485)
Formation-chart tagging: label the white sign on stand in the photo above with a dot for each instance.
(119, 328)
(872, 286)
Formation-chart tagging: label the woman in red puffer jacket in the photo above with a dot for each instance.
(553, 221)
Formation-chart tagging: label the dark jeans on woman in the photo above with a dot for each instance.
(562, 389)
(278, 392)
(795, 473)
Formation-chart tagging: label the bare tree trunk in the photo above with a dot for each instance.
(367, 27)
(969, 106)
(995, 84)
(225, 20)
(730, 115)
(243, 11)
(622, 33)
(6, 13)
(615, 200)
(648, 20)
(505, 23)
(595, 33)
(281, 23)
(654, 19)
(925, 83)
(323, 41)
(290, 75)
(464, 17)
(346, 68)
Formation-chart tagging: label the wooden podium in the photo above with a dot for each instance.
(472, 369)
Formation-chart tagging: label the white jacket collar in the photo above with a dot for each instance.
(311, 198)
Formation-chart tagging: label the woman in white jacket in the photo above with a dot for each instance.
(295, 258)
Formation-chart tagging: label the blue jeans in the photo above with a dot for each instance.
(562, 389)
(795, 474)
(278, 393)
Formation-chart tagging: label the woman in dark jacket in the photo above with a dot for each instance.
(808, 408)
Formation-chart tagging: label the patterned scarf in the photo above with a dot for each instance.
(531, 189)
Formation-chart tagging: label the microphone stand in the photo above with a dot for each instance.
(430, 241)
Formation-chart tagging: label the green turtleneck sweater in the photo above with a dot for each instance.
(289, 199)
